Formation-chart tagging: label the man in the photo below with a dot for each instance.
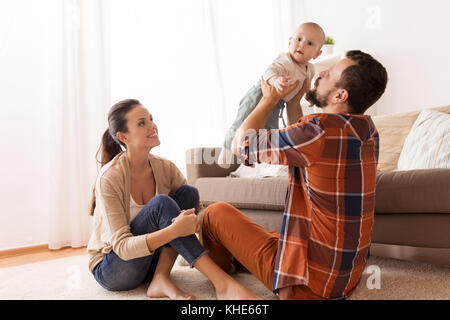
(324, 242)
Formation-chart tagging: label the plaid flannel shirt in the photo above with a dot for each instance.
(329, 212)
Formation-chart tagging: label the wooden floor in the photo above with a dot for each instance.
(17, 257)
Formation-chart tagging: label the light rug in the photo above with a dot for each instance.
(69, 278)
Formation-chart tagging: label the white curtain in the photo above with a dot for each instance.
(79, 102)
(54, 86)
(63, 63)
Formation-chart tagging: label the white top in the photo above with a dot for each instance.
(284, 66)
(134, 208)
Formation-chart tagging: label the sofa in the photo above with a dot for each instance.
(412, 207)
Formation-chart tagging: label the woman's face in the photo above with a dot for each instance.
(142, 131)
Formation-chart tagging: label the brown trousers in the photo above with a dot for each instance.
(227, 233)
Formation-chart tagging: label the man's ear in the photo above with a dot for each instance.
(121, 137)
(341, 96)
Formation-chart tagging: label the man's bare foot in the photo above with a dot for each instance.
(161, 286)
(233, 290)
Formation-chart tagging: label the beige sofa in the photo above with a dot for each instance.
(412, 208)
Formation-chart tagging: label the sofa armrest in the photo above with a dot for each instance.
(203, 162)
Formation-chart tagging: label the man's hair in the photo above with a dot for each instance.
(365, 81)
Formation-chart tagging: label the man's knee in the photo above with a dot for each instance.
(218, 211)
(218, 208)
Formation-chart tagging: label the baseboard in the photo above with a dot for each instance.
(35, 253)
(20, 251)
(439, 256)
(33, 249)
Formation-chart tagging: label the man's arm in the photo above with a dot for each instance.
(293, 108)
(258, 117)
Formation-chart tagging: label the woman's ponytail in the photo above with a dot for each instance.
(109, 148)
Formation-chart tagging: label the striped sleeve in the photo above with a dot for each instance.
(297, 145)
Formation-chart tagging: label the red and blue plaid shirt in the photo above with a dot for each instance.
(328, 217)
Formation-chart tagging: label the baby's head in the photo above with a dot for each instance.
(306, 43)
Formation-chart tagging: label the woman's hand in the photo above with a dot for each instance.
(186, 223)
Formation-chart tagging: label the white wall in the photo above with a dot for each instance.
(410, 38)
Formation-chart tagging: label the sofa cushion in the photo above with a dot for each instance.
(427, 145)
(413, 191)
(393, 130)
(244, 193)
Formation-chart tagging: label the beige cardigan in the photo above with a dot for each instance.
(111, 227)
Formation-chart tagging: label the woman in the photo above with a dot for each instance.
(144, 214)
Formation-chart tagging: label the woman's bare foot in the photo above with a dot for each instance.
(233, 290)
(161, 286)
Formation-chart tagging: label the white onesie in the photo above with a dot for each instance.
(284, 66)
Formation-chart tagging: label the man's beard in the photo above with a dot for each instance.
(316, 99)
(312, 97)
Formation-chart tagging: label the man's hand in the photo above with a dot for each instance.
(272, 93)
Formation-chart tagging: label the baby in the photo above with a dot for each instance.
(287, 68)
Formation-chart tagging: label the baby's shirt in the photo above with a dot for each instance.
(284, 66)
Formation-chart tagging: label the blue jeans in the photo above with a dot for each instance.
(116, 274)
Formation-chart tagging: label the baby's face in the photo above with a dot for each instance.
(306, 44)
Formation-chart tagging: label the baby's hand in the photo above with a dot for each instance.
(281, 83)
(269, 90)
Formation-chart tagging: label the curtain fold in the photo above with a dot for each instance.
(80, 103)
